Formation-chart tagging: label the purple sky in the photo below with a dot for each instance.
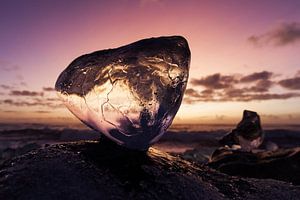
(236, 39)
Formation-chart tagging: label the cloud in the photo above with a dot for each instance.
(256, 76)
(25, 93)
(239, 96)
(53, 99)
(270, 116)
(26, 98)
(192, 95)
(262, 86)
(252, 87)
(9, 111)
(23, 83)
(7, 66)
(283, 34)
(42, 111)
(36, 111)
(220, 117)
(266, 96)
(215, 81)
(244, 94)
(291, 83)
(233, 93)
(192, 92)
(188, 100)
(48, 89)
(36, 102)
(6, 87)
(19, 103)
(218, 81)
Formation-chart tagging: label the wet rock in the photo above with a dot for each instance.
(248, 133)
(102, 170)
(8, 153)
(270, 146)
(194, 155)
(281, 164)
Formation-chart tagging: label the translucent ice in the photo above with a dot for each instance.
(130, 94)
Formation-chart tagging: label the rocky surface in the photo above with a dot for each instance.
(248, 132)
(281, 164)
(102, 170)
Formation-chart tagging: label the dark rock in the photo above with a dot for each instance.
(248, 133)
(8, 153)
(281, 164)
(194, 155)
(102, 170)
(269, 145)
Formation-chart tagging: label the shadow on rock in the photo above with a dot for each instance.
(281, 164)
(102, 170)
(125, 164)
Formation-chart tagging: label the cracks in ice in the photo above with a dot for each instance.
(107, 102)
(134, 90)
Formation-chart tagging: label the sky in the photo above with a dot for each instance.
(245, 53)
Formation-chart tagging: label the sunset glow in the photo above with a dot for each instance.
(245, 54)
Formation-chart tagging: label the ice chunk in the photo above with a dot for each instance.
(130, 94)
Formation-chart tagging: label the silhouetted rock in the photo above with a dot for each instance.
(102, 170)
(281, 164)
(248, 133)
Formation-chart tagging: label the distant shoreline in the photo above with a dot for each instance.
(174, 127)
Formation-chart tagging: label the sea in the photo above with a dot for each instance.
(173, 127)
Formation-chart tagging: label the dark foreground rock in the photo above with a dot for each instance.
(101, 170)
(281, 164)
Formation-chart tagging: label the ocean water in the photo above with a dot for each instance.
(227, 127)
(181, 137)
(20, 126)
(173, 127)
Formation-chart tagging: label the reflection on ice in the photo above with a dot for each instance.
(130, 94)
